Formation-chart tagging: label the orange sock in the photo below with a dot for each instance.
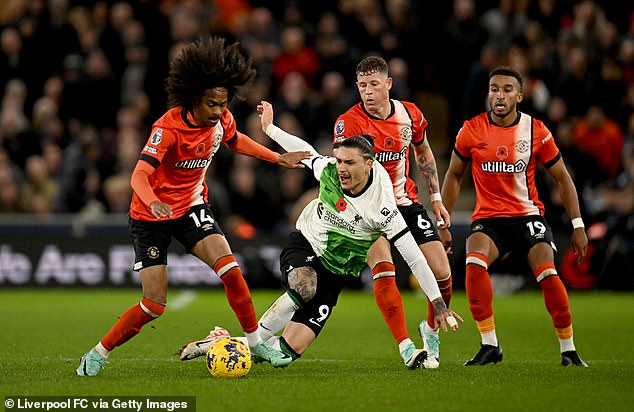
(479, 288)
(131, 323)
(389, 300)
(237, 292)
(555, 297)
(445, 290)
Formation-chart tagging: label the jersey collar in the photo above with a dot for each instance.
(515, 122)
(187, 122)
(392, 110)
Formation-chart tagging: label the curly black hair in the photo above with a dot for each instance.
(206, 64)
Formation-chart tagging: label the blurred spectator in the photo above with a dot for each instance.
(295, 57)
(578, 82)
(464, 37)
(615, 257)
(16, 136)
(39, 190)
(334, 100)
(79, 178)
(295, 97)
(601, 138)
(506, 22)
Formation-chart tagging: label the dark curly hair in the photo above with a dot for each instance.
(371, 65)
(206, 64)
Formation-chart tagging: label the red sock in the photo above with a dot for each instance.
(445, 290)
(479, 288)
(389, 300)
(555, 295)
(131, 323)
(237, 292)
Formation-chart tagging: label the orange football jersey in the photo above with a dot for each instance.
(504, 162)
(392, 137)
(181, 154)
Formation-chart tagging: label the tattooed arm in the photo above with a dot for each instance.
(426, 163)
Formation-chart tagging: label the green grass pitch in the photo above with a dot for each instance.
(353, 366)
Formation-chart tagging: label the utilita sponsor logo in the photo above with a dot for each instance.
(192, 163)
(383, 157)
(503, 167)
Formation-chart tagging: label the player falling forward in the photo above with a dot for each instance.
(334, 232)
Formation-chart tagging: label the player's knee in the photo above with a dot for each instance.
(303, 281)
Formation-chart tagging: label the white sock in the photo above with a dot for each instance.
(253, 338)
(277, 316)
(428, 329)
(102, 351)
(566, 345)
(489, 338)
(274, 341)
(404, 344)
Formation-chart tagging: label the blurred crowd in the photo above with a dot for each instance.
(81, 83)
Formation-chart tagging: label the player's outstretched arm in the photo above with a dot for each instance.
(408, 248)
(289, 142)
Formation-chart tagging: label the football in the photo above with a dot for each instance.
(228, 358)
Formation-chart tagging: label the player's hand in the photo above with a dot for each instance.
(161, 210)
(442, 216)
(292, 160)
(265, 109)
(447, 320)
(579, 242)
(445, 238)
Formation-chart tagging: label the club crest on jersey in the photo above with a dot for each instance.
(339, 127)
(216, 141)
(502, 152)
(522, 146)
(157, 136)
(406, 133)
